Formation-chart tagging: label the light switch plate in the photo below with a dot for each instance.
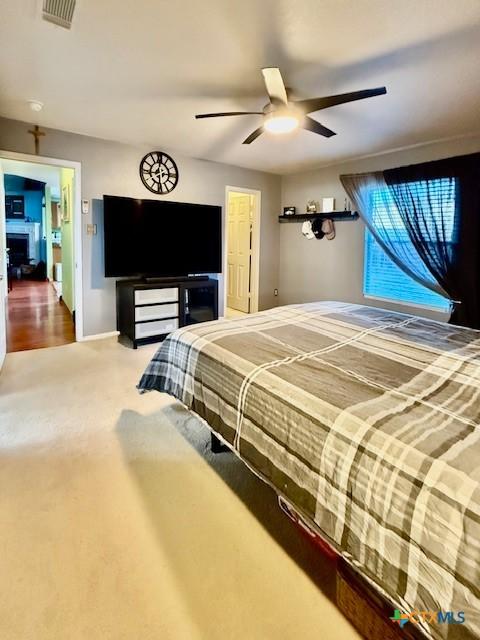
(91, 229)
(85, 206)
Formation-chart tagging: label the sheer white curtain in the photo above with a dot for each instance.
(373, 200)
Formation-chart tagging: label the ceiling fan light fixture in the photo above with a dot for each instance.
(284, 123)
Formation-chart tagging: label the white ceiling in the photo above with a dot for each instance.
(138, 72)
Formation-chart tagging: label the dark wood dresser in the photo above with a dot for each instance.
(149, 311)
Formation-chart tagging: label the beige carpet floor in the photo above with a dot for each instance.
(117, 523)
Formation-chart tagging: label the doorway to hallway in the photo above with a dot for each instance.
(38, 237)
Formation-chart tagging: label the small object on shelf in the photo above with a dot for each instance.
(312, 206)
(289, 211)
(317, 227)
(328, 228)
(307, 230)
(328, 205)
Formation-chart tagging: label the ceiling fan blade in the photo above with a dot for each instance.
(228, 113)
(253, 136)
(275, 85)
(312, 125)
(315, 104)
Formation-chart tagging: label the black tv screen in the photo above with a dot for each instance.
(160, 238)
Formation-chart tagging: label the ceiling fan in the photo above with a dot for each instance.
(282, 115)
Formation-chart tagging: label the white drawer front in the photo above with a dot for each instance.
(146, 329)
(154, 312)
(153, 296)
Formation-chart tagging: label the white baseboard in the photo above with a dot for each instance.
(100, 336)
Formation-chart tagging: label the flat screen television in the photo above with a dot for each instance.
(160, 238)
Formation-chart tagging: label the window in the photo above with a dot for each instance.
(382, 278)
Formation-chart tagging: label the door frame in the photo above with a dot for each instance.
(255, 262)
(3, 272)
(77, 224)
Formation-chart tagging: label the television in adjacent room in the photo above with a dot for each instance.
(156, 238)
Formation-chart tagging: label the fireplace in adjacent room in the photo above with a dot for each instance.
(18, 254)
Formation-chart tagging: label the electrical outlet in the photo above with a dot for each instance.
(91, 229)
(275, 292)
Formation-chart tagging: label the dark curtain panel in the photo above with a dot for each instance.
(372, 199)
(447, 241)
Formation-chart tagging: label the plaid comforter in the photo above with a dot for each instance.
(367, 421)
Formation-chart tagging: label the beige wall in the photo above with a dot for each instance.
(320, 270)
(112, 168)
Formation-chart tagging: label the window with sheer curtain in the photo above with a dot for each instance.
(383, 279)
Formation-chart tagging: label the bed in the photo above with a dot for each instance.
(367, 422)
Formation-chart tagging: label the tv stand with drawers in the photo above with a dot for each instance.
(148, 311)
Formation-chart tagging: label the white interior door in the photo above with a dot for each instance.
(3, 272)
(238, 251)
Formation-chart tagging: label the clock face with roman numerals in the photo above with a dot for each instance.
(159, 172)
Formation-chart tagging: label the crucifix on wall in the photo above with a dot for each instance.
(37, 134)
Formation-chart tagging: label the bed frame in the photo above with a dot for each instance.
(217, 445)
(366, 608)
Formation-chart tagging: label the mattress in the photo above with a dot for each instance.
(367, 421)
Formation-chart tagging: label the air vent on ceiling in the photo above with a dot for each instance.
(59, 11)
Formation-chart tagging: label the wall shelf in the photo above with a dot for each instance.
(333, 215)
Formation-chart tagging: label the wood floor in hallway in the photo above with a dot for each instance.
(36, 318)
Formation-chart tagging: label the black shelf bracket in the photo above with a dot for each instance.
(338, 216)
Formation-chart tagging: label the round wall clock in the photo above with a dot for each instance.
(158, 172)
